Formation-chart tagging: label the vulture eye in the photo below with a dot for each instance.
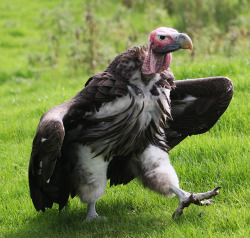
(162, 37)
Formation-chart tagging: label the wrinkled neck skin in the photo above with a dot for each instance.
(155, 63)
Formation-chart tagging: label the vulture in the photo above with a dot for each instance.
(122, 126)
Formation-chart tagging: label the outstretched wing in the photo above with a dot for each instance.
(196, 105)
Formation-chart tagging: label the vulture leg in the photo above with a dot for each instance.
(91, 214)
(157, 173)
(89, 178)
(187, 198)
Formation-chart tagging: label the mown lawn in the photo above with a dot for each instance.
(38, 72)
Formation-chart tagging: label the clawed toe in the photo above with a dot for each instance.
(206, 202)
(196, 199)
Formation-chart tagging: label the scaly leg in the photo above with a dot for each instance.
(187, 198)
(91, 214)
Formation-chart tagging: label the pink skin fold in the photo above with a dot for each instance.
(156, 62)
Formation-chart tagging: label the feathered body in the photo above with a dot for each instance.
(117, 114)
(120, 126)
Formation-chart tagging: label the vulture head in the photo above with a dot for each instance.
(161, 42)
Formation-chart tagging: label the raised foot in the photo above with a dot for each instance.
(196, 199)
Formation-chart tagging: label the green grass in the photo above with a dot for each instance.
(37, 72)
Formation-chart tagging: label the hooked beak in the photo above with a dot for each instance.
(181, 41)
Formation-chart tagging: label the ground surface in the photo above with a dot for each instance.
(42, 64)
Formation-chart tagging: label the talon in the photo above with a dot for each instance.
(198, 199)
(176, 213)
(218, 188)
(207, 203)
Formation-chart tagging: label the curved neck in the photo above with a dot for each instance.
(155, 63)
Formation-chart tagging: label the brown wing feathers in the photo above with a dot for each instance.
(45, 152)
(210, 97)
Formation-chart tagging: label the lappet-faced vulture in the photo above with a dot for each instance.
(122, 125)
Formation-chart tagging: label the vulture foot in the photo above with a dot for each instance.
(187, 198)
(92, 215)
(95, 217)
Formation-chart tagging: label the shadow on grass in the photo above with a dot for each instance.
(121, 222)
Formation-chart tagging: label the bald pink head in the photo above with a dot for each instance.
(161, 42)
(154, 37)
